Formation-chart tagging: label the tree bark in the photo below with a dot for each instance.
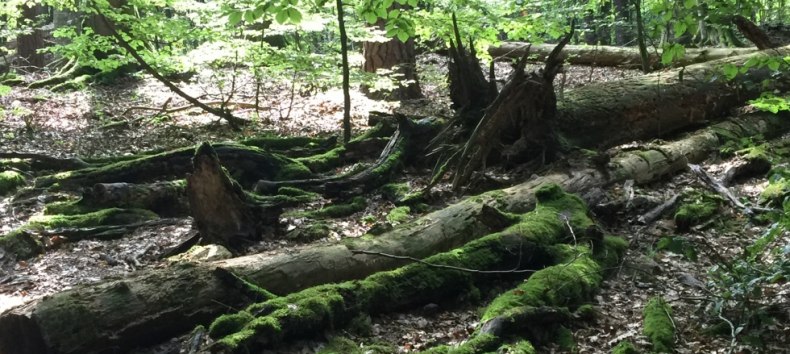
(156, 304)
(29, 44)
(611, 56)
(395, 55)
(223, 214)
(659, 104)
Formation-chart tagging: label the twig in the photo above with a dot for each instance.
(444, 266)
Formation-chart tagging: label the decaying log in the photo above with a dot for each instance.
(164, 198)
(610, 55)
(155, 304)
(658, 104)
(245, 163)
(222, 211)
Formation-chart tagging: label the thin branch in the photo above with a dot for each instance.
(222, 113)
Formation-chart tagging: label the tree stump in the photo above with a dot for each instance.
(223, 213)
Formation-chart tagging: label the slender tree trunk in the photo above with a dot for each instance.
(640, 30)
(622, 29)
(344, 54)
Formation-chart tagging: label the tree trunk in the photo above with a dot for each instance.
(611, 56)
(156, 304)
(29, 44)
(397, 56)
(659, 104)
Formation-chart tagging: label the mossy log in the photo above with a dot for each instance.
(659, 104)
(529, 244)
(246, 164)
(658, 325)
(602, 55)
(406, 143)
(167, 302)
(166, 198)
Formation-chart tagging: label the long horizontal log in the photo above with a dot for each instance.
(659, 104)
(603, 55)
(154, 305)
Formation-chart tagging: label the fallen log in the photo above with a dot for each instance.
(659, 104)
(154, 305)
(603, 55)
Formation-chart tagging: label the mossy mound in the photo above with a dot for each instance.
(696, 208)
(776, 192)
(308, 233)
(21, 244)
(625, 347)
(658, 325)
(399, 215)
(111, 216)
(10, 181)
(332, 211)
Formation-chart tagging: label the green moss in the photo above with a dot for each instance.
(294, 192)
(696, 208)
(229, 323)
(294, 170)
(564, 284)
(10, 181)
(520, 347)
(21, 244)
(565, 339)
(658, 325)
(394, 191)
(324, 162)
(357, 204)
(308, 233)
(625, 347)
(399, 215)
(775, 192)
(612, 252)
(69, 207)
(111, 216)
(334, 305)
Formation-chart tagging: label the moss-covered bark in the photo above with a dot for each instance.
(10, 181)
(246, 164)
(305, 312)
(658, 326)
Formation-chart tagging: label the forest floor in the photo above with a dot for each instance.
(86, 124)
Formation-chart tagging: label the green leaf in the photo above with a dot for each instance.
(249, 16)
(393, 14)
(730, 71)
(281, 16)
(774, 65)
(689, 4)
(4, 90)
(679, 28)
(294, 15)
(234, 18)
(413, 3)
(403, 36)
(371, 18)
